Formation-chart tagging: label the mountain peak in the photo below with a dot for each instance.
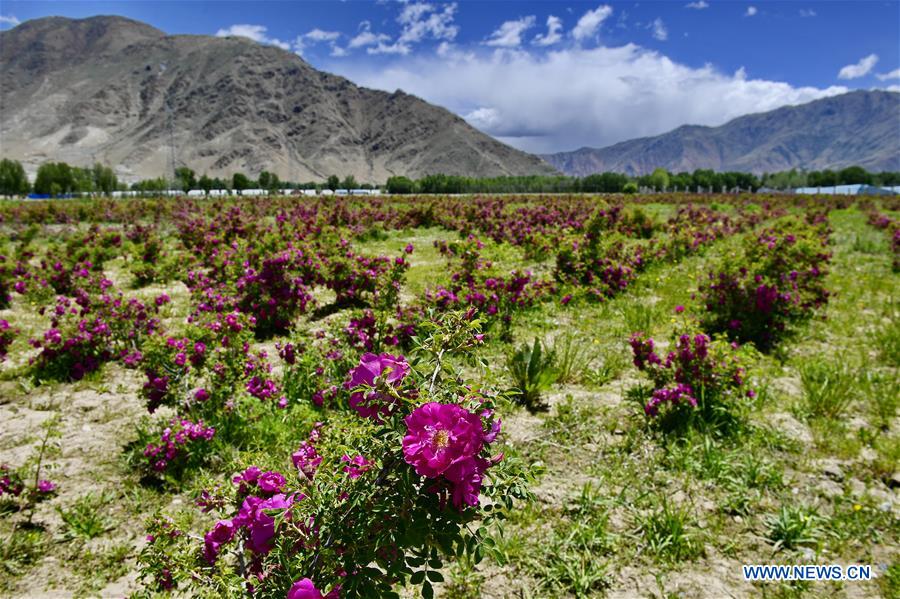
(856, 128)
(114, 90)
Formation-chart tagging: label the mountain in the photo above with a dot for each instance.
(113, 90)
(857, 128)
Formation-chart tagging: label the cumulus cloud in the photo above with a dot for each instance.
(659, 30)
(590, 22)
(257, 33)
(751, 11)
(807, 13)
(419, 21)
(567, 98)
(319, 36)
(895, 74)
(509, 34)
(553, 35)
(366, 37)
(9, 20)
(697, 5)
(860, 69)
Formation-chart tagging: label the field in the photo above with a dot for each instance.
(497, 396)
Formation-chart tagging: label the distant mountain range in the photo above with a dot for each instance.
(120, 92)
(858, 128)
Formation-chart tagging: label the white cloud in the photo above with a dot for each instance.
(553, 35)
(860, 69)
(483, 118)
(590, 22)
(9, 20)
(509, 34)
(895, 74)
(419, 21)
(659, 30)
(697, 5)
(751, 11)
(567, 98)
(807, 13)
(319, 36)
(365, 37)
(257, 33)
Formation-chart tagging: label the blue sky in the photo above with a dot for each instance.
(549, 76)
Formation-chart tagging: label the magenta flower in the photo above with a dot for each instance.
(306, 459)
(221, 534)
(45, 486)
(393, 369)
(271, 482)
(304, 589)
(262, 526)
(439, 436)
(466, 477)
(356, 466)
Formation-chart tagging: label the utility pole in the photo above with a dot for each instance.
(168, 107)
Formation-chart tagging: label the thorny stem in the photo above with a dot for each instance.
(37, 472)
(437, 369)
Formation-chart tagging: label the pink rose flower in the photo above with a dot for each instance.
(439, 436)
(372, 404)
(304, 589)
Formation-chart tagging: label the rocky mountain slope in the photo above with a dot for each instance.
(120, 92)
(858, 128)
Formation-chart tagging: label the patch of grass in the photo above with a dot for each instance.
(533, 370)
(887, 339)
(85, 518)
(106, 564)
(668, 534)
(19, 549)
(612, 362)
(832, 437)
(464, 581)
(573, 357)
(639, 315)
(880, 391)
(572, 422)
(828, 388)
(574, 558)
(794, 526)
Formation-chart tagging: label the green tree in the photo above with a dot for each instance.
(105, 179)
(659, 179)
(54, 178)
(205, 183)
(400, 185)
(82, 179)
(334, 182)
(349, 182)
(185, 178)
(269, 181)
(13, 180)
(854, 174)
(239, 181)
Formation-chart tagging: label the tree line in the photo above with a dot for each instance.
(59, 178)
(701, 180)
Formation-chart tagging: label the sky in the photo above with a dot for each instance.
(557, 75)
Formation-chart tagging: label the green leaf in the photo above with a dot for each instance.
(435, 576)
(427, 591)
(418, 577)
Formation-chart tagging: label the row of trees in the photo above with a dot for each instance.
(186, 179)
(56, 178)
(659, 180)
